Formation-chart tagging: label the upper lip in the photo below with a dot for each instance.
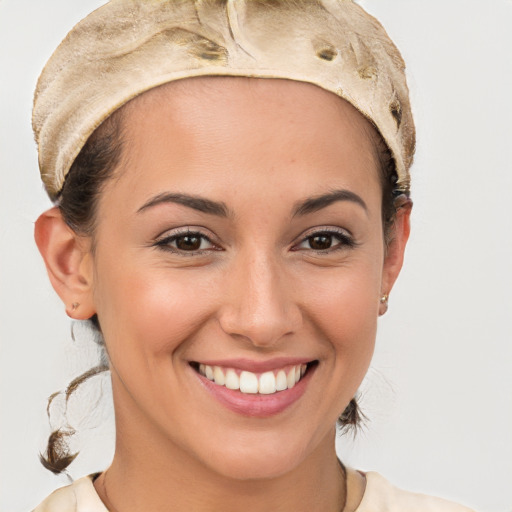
(254, 366)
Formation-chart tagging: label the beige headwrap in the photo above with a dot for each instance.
(129, 46)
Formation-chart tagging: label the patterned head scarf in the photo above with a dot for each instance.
(127, 47)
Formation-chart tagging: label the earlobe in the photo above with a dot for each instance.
(68, 263)
(395, 250)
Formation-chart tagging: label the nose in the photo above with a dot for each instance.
(259, 303)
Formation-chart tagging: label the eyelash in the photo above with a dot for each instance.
(345, 241)
(165, 243)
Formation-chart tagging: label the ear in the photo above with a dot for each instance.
(68, 261)
(395, 249)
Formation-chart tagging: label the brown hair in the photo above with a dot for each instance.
(93, 167)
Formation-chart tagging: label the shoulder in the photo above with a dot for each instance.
(80, 496)
(382, 496)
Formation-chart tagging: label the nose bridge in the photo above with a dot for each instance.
(260, 305)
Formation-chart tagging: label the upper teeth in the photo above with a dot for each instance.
(249, 382)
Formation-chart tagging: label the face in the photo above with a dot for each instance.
(241, 241)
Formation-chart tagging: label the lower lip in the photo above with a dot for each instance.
(257, 405)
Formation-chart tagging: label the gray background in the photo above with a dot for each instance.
(439, 394)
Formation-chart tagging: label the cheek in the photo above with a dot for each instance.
(343, 305)
(348, 315)
(152, 310)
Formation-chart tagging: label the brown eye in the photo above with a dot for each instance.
(188, 242)
(320, 242)
(326, 241)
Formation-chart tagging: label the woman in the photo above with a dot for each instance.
(233, 240)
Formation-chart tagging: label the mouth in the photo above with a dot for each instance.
(247, 382)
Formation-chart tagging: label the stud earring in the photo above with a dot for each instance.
(75, 306)
(383, 304)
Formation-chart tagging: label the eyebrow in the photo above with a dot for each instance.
(317, 203)
(197, 203)
(219, 209)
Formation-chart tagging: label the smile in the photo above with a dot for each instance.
(266, 383)
(256, 389)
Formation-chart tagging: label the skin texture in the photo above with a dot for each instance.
(257, 290)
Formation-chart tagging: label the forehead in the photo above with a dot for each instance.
(213, 129)
(305, 110)
(228, 93)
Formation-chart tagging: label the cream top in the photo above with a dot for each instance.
(379, 496)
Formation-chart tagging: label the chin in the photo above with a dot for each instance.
(259, 457)
(257, 466)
